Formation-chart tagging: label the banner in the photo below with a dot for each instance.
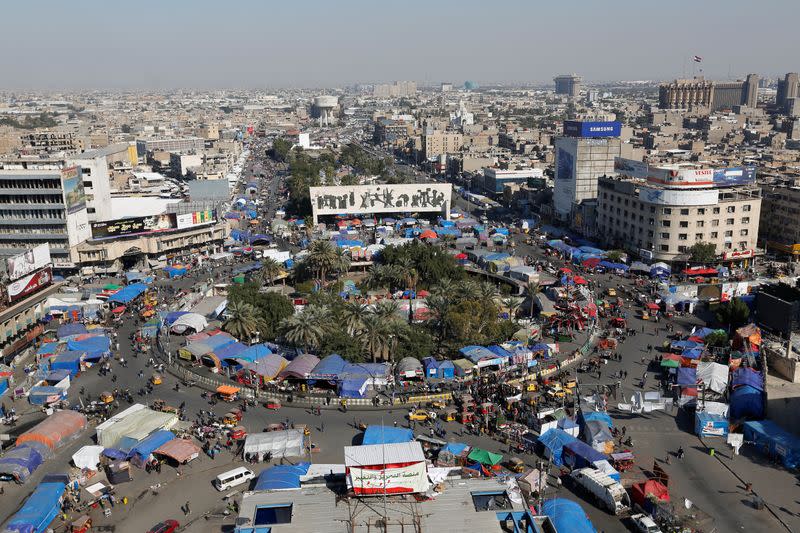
(72, 185)
(402, 480)
(579, 128)
(402, 198)
(25, 263)
(631, 167)
(30, 284)
(196, 218)
(132, 226)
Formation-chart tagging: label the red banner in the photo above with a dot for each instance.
(30, 284)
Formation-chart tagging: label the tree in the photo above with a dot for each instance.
(531, 288)
(306, 329)
(241, 322)
(512, 304)
(416, 343)
(386, 310)
(270, 270)
(352, 316)
(733, 314)
(703, 252)
(374, 337)
(341, 264)
(716, 338)
(322, 258)
(614, 256)
(270, 308)
(281, 149)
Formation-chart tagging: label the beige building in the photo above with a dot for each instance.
(685, 94)
(437, 143)
(780, 219)
(659, 223)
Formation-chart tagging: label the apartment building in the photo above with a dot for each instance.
(51, 142)
(187, 144)
(780, 219)
(437, 143)
(568, 84)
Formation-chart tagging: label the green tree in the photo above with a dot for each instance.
(703, 252)
(733, 314)
(306, 329)
(512, 305)
(614, 256)
(374, 337)
(322, 258)
(352, 317)
(270, 308)
(417, 343)
(281, 149)
(270, 270)
(242, 322)
(716, 338)
(531, 288)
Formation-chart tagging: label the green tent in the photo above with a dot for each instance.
(670, 363)
(484, 457)
(239, 279)
(112, 287)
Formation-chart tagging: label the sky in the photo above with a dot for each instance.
(203, 44)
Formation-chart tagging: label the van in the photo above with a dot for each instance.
(233, 478)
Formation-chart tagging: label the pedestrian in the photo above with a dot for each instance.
(395, 423)
(322, 427)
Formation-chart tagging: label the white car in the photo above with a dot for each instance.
(645, 524)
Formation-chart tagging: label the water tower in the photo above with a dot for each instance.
(324, 108)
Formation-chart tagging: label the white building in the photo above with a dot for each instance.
(580, 161)
(96, 183)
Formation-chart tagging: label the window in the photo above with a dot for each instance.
(745, 220)
(746, 208)
(684, 211)
(682, 236)
(665, 223)
(700, 223)
(743, 233)
(667, 211)
(684, 223)
(682, 249)
(698, 236)
(715, 210)
(729, 221)
(728, 246)
(267, 515)
(729, 233)
(714, 234)
(731, 209)
(714, 223)
(743, 245)
(87, 183)
(665, 235)
(491, 501)
(650, 233)
(701, 210)
(665, 248)
(651, 221)
(652, 209)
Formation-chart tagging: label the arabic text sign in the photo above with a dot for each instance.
(364, 199)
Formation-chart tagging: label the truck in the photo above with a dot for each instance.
(607, 493)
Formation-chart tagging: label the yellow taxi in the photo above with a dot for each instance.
(419, 415)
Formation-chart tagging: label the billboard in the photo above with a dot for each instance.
(196, 218)
(565, 165)
(678, 197)
(727, 177)
(579, 128)
(367, 199)
(132, 226)
(403, 479)
(30, 284)
(631, 167)
(72, 185)
(25, 263)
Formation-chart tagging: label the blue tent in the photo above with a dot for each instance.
(329, 368)
(446, 370)
(431, 367)
(386, 435)
(281, 477)
(578, 454)
(55, 376)
(47, 348)
(70, 329)
(590, 416)
(772, 439)
(710, 425)
(456, 448)
(692, 353)
(128, 294)
(172, 316)
(687, 377)
(567, 516)
(614, 266)
(477, 353)
(554, 441)
(39, 395)
(683, 345)
(230, 350)
(216, 342)
(254, 353)
(702, 333)
(97, 344)
(365, 370)
(150, 444)
(70, 361)
(499, 351)
(746, 402)
(748, 376)
(22, 461)
(353, 387)
(41, 507)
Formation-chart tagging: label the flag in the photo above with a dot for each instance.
(698, 59)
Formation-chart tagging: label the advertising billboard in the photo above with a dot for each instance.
(579, 128)
(72, 185)
(365, 199)
(132, 226)
(30, 284)
(565, 165)
(727, 177)
(631, 167)
(196, 218)
(405, 479)
(678, 197)
(25, 263)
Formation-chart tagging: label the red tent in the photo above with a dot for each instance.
(648, 489)
(461, 256)
(565, 270)
(423, 294)
(652, 306)
(579, 280)
(592, 262)
(697, 339)
(428, 234)
(700, 271)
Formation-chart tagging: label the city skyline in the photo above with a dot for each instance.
(190, 45)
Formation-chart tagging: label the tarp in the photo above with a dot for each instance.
(70, 361)
(128, 294)
(87, 457)
(748, 376)
(386, 435)
(56, 429)
(353, 387)
(746, 401)
(22, 461)
(554, 441)
(329, 368)
(70, 329)
(477, 353)
(281, 477)
(125, 433)
(773, 440)
(181, 450)
(189, 321)
(484, 457)
(268, 367)
(300, 367)
(567, 516)
(713, 375)
(40, 508)
(687, 377)
(254, 353)
(230, 351)
(287, 443)
(456, 448)
(647, 489)
(598, 435)
(48, 348)
(683, 345)
(41, 394)
(710, 425)
(96, 344)
(578, 454)
(589, 416)
(148, 445)
(693, 353)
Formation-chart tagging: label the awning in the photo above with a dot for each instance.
(227, 390)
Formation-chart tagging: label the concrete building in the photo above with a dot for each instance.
(446, 87)
(181, 163)
(495, 179)
(780, 219)
(398, 89)
(51, 142)
(96, 183)
(660, 219)
(186, 144)
(209, 131)
(568, 84)
(324, 109)
(42, 202)
(436, 143)
(788, 87)
(392, 132)
(686, 93)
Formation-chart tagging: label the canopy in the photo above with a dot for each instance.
(456, 448)
(687, 377)
(652, 306)
(228, 390)
(769, 436)
(268, 367)
(56, 429)
(281, 477)
(386, 435)
(578, 454)
(748, 376)
(181, 450)
(746, 401)
(484, 457)
(128, 294)
(592, 416)
(150, 444)
(329, 368)
(553, 441)
(22, 461)
(300, 367)
(70, 329)
(647, 489)
(189, 321)
(254, 353)
(713, 375)
(693, 353)
(288, 443)
(87, 457)
(355, 387)
(40, 508)
(230, 350)
(567, 516)
(125, 431)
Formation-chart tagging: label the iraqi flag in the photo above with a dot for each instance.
(698, 59)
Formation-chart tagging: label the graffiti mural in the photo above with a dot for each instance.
(380, 198)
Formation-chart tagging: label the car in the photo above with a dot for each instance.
(611, 292)
(420, 415)
(644, 524)
(167, 526)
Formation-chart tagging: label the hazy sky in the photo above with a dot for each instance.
(57, 44)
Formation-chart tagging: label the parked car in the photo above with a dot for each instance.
(644, 524)
(167, 526)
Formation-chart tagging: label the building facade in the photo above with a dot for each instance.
(398, 89)
(686, 93)
(96, 184)
(780, 219)
(437, 143)
(568, 84)
(187, 144)
(51, 142)
(495, 179)
(788, 87)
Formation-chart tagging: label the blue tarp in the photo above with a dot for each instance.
(230, 350)
(746, 402)
(95, 344)
(771, 438)
(590, 416)
(329, 368)
(456, 448)
(353, 387)
(499, 351)
(55, 376)
(254, 353)
(702, 333)
(614, 266)
(578, 454)
(554, 441)
(171, 317)
(477, 353)
(710, 425)
(129, 293)
(748, 376)
(151, 443)
(47, 348)
(40, 508)
(683, 345)
(68, 361)
(687, 377)
(22, 461)
(365, 370)
(567, 516)
(215, 342)
(386, 435)
(693, 353)
(70, 329)
(39, 395)
(281, 477)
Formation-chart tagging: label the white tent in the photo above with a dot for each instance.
(88, 457)
(713, 375)
(125, 433)
(193, 321)
(288, 443)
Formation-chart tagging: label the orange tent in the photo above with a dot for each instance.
(227, 390)
(55, 430)
(428, 234)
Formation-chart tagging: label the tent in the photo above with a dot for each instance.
(125, 432)
(409, 367)
(598, 435)
(70, 361)
(22, 461)
(553, 442)
(189, 322)
(254, 353)
(774, 441)
(300, 367)
(484, 457)
(748, 376)
(355, 387)
(687, 377)
(329, 368)
(180, 450)
(128, 294)
(41, 395)
(589, 416)
(87, 457)
(56, 429)
(141, 452)
(713, 375)
(70, 329)
(456, 448)
(41, 507)
(386, 435)
(281, 477)
(287, 443)
(746, 402)
(578, 454)
(567, 516)
(267, 368)
(647, 489)
(710, 425)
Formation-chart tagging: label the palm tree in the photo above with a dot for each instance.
(306, 329)
(376, 276)
(531, 288)
(445, 287)
(512, 304)
(353, 315)
(270, 270)
(488, 292)
(374, 337)
(342, 263)
(321, 258)
(242, 322)
(438, 307)
(468, 290)
(386, 310)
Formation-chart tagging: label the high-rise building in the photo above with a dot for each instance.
(96, 183)
(568, 84)
(716, 95)
(398, 89)
(788, 87)
(188, 144)
(751, 84)
(585, 153)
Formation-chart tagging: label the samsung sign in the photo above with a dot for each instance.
(578, 128)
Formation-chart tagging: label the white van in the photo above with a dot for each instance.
(233, 478)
